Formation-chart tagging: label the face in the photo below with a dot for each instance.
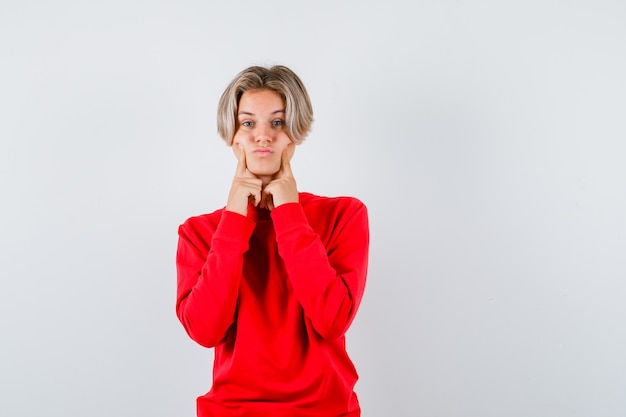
(261, 132)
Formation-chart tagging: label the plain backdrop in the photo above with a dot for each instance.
(487, 139)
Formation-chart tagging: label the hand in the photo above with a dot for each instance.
(283, 188)
(246, 187)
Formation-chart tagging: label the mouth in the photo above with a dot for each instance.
(263, 151)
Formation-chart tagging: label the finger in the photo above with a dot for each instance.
(256, 191)
(286, 162)
(266, 192)
(262, 204)
(254, 197)
(241, 162)
(267, 200)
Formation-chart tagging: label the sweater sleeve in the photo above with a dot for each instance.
(208, 284)
(327, 281)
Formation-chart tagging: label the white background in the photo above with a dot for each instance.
(486, 138)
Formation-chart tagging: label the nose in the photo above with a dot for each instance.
(263, 134)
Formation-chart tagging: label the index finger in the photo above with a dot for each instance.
(241, 163)
(286, 162)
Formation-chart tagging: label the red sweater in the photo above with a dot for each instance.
(274, 293)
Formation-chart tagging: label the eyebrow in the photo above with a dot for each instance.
(252, 114)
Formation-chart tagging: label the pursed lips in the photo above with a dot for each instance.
(263, 151)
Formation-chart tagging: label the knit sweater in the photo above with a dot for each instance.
(274, 293)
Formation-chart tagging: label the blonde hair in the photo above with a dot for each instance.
(280, 79)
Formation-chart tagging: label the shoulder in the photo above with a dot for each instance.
(342, 203)
(200, 226)
(336, 219)
(332, 211)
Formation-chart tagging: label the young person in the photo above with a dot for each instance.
(274, 279)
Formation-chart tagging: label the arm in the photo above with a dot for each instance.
(328, 281)
(208, 278)
(208, 284)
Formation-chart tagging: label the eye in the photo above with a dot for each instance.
(246, 123)
(278, 123)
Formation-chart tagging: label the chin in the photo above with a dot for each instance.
(264, 171)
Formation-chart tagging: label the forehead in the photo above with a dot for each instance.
(261, 101)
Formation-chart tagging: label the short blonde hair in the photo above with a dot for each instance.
(298, 109)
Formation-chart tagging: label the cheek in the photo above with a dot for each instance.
(285, 141)
(243, 140)
(291, 147)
